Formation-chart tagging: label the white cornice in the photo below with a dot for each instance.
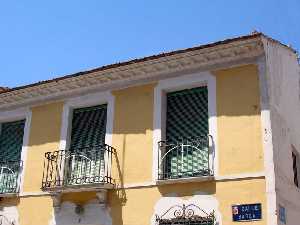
(149, 69)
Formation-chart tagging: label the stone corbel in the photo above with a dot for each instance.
(56, 199)
(102, 197)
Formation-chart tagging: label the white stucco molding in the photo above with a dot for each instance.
(118, 76)
(86, 101)
(207, 202)
(266, 130)
(180, 83)
(90, 213)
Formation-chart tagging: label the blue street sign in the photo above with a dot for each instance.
(246, 212)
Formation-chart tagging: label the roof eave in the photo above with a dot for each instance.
(212, 54)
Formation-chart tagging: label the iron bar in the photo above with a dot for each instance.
(81, 166)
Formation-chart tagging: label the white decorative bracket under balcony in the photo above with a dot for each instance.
(101, 195)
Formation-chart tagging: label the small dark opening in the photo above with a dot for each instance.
(295, 169)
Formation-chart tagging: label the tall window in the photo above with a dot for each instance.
(185, 152)
(11, 142)
(86, 154)
(296, 168)
(187, 114)
(88, 127)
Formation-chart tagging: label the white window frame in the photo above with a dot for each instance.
(82, 102)
(16, 115)
(180, 83)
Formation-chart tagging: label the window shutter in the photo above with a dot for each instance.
(88, 127)
(187, 114)
(187, 121)
(11, 140)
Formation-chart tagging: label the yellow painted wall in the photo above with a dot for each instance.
(239, 123)
(239, 148)
(238, 120)
(35, 210)
(44, 137)
(132, 134)
(136, 206)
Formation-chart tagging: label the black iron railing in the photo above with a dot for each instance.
(186, 158)
(10, 176)
(186, 215)
(83, 166)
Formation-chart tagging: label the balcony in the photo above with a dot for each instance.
(88, 167)
(9, 177)
(185, 159)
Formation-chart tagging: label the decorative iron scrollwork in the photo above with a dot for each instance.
(82, 166)
(185, 214)
(5, 221)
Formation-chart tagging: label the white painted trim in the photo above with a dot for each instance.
(179, 83)
(86, 101)
(231, 177)
(15, 115)
(266, 130)
(240, 176)
(269, 167)
(185, 180)
(34, 193)
(206, 201)
(25, 147)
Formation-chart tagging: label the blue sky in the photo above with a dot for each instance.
(45, 39)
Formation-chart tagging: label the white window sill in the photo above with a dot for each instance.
(8, 195)
(185, 180)
(80, 188)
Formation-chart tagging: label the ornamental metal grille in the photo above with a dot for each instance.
(185, 215)
(188, 158)
(71, 168)
(9, 176)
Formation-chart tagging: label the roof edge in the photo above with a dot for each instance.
(143, 59)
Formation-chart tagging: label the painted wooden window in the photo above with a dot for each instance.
(186, 132)
(187, 114)
(88, 127)
(86, 154)
(11, 142)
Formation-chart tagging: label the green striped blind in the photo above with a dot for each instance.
(88, 127)
(187, 114)
(11, 140)
(187, 119)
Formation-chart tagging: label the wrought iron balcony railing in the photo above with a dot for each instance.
(10, 176)
(84, 166)
(185, 158)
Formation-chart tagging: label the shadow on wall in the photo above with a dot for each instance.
(132, 139)
(185, 190)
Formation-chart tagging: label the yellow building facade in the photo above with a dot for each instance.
(139, 179)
